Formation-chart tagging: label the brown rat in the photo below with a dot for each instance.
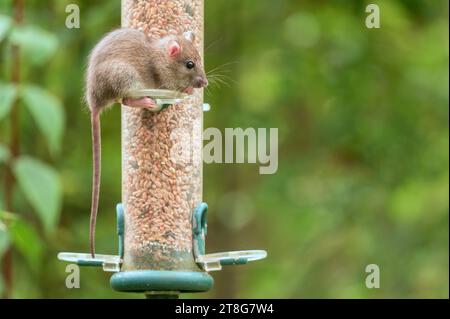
(125, 60)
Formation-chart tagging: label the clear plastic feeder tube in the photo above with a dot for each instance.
(162, 154)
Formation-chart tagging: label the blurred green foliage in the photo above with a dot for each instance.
(363, 147)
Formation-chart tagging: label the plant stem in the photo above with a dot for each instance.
(14, 147)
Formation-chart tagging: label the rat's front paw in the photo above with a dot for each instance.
(142, 102)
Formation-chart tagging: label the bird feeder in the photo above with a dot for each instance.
(162, 221)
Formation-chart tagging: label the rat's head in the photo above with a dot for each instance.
(184, 69)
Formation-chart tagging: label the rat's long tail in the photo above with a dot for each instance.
(96, 170)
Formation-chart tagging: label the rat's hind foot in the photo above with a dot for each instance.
(142, 102)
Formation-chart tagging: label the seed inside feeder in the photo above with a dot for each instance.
(161, 178)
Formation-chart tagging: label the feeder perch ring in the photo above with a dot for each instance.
(109, 263)
(162, 98)
(215, 261)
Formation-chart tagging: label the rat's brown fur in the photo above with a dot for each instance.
(125, 60)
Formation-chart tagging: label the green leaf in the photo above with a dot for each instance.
(38, 45)
(2, 285)
(8, 93)
(48, 113)
(27, 241)
(5, 24)
(22, 236)
(4, 154)
(4, 239)
(7, 216)
(4, 244)
(42, 188)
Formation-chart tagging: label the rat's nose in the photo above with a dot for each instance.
(202, 82)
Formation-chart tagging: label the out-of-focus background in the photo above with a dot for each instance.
(363, 148)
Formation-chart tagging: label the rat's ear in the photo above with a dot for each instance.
(190, 36)
(173, 48)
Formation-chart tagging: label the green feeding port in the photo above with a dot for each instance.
(159, 283)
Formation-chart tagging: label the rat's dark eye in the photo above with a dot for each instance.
(190, 64)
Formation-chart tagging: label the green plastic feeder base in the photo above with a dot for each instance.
(161, 280)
